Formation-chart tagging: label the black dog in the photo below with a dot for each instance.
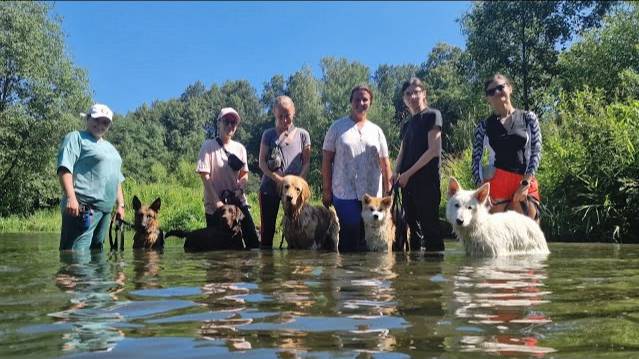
(226, 233)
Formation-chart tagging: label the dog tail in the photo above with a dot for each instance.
(176, 233)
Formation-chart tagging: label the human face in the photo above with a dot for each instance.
(360, 103)
(284, 114)
(227, 126)
(98, 127)
(498, 92)
(415, 98)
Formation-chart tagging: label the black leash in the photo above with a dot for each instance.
(119, 233)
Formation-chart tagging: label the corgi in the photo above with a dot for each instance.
(379, 228)
(490, 235)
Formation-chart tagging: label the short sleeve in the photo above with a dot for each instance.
(330, 138)
(383, 145)
(70, 150)
(204, 158)
(306, 139)
(439, 122)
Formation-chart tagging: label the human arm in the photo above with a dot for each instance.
(398, 161)
(478, 151)
(119, 212)
(208, 188)
(534, 132)
(306, 161)
(66, 181)
(434, 150)
(384, 164)
(327, 177)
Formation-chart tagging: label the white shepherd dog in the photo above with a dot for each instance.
(490, 235)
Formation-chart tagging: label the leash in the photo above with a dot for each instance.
(119, 233)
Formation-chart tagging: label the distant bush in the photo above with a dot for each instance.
(589, 169)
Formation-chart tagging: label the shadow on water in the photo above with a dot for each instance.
(579, 302)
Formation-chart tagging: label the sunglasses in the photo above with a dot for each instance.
(229, 122)
(492, 91)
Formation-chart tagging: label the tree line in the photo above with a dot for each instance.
(576, 64)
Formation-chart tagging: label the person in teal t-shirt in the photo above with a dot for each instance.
(89, 169)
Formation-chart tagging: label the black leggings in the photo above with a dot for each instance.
(249, 233)
(269, 206)
(421, 204)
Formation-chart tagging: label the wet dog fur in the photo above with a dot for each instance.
(306, 226)
(225, 234)
(147, 228)
(490, 235)
(379, 228)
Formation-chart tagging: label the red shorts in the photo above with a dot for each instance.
(504, 184)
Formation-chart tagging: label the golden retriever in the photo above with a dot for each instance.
(306, 226)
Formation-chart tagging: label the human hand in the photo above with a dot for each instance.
(403, 179)
(277, 178)
(73, 207)
(521, 194)
(242, 181)
(327, 198)
(219, 204)
(119, 213)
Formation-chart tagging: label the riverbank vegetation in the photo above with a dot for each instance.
(576, 64)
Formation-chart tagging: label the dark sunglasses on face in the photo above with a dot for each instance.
(492, 91)
(229, 122)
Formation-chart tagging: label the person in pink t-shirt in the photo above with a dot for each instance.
(223, 168)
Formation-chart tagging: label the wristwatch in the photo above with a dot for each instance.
(524, 182)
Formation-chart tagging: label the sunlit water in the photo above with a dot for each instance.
(580, 302)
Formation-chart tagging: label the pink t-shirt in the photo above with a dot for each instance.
(214, 161)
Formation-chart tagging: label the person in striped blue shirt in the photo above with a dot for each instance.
(512, 138)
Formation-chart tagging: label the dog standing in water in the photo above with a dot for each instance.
(147, 228)
(490, 235)
(306, 226)
(379, 228)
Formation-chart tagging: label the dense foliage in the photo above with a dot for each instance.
(574, 63)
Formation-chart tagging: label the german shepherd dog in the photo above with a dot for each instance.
(147, 228)
(226, 232)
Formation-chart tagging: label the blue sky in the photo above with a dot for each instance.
(137, 52)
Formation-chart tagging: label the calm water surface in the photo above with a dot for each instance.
(580, 302)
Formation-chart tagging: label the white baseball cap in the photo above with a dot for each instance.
(99, 110)
(228, 111)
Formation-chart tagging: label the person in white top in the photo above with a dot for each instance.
(354, 162)
(222, 165)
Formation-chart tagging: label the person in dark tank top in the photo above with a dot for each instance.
(513, 140)
(417, 168)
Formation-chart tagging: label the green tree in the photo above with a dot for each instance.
(41, 96)
(339, 76)
(523, 38)
(606, 57)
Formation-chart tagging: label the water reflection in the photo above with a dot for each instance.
(93, 287)
(499, 298)
(146, 265)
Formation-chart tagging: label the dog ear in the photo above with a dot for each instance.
(366, 198)
(306, 191)
(136, 203)
(156, 205)
(453, 187)
(482, 193)
(387, 201)
(239, 215)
